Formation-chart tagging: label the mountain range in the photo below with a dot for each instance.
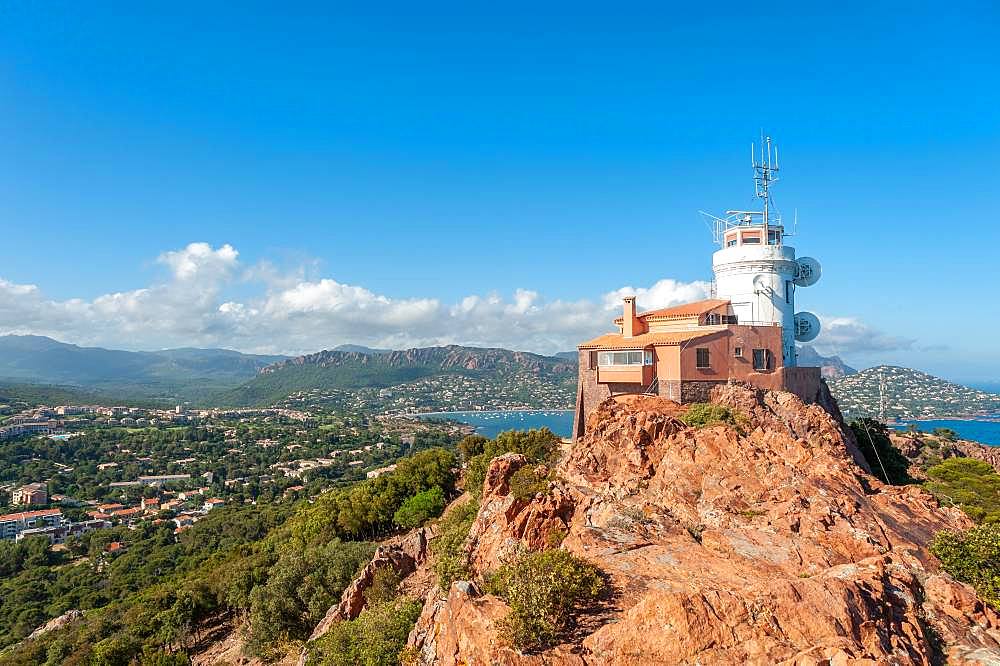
(435, 376)
(182, 374)
(366, 368)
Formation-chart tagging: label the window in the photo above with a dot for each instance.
(649, 357)
(631, 357)
(738, 352)
(702, 358)
(731, 242)
(593, 359)
(751, 240)
(773, 237)
(788, 291)
(762, 359)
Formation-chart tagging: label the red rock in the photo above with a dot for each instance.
(765, 544)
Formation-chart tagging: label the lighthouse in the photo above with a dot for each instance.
(755, 270)
(746, 332)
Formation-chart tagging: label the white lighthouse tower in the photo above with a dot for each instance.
(756, 271)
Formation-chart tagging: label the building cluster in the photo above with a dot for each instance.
(188, 507)
(48, 523)
(32, 494)
(37, 421)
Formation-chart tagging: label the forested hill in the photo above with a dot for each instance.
(363, 369)
(187, 373)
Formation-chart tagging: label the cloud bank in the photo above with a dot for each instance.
(292, 314)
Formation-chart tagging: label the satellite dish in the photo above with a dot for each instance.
(806, 326)
(760, 285)
(808, 273)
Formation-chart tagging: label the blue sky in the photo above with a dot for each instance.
(292, 176)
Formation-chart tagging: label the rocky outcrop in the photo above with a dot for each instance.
(924, 450)
(762, 542)
(64, 620)
(506, 522)
(402, 556)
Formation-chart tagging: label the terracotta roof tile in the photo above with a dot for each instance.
(25, 515)
(683, 310)
(617, 341)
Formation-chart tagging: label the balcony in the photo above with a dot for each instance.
(625, 374)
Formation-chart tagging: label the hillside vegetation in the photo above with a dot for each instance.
(347, 370)
(910, 394)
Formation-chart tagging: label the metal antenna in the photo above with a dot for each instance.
(765, 165)
(881, 395)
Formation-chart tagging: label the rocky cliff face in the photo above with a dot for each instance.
(764, 543)
(923, 449)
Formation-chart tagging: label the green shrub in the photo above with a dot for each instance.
(528, 481)
(701, 414)
(884, 459)
(377, 637)
(945, 433)
(970, 484)
(544, 590)
(451, 561)
(536, 445)
(973, 557)
(302, 586)
(420, 508)
(472, 445)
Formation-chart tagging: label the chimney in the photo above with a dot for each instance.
(629, 320)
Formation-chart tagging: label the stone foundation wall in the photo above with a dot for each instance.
(807, 383)
(697, 391)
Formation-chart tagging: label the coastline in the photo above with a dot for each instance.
(532, 410)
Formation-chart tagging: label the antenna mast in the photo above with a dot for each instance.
(881, 396)
(764, 173)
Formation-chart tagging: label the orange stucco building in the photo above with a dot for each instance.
(680, 353)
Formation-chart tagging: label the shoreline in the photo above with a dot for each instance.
(488, 411)
(981, 418)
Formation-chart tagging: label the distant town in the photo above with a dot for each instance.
(72, 469)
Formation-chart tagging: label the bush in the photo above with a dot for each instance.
(420, 508)
(544, 590)
(945, 433)
(536, 445)
(472, 446)
(701, 414)
(301, 588)
(970, 484)
(973, 557)
(377, 637)
(884, 459)
(452, 562)
(528, 481)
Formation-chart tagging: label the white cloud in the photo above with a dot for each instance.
(199, 261)
(291, 313)
(849, 335)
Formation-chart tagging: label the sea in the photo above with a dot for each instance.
(491, 424)
(986, 431)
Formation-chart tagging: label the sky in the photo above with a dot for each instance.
(287, 177)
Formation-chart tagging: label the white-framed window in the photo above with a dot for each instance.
(738, 352)
(624, 357)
